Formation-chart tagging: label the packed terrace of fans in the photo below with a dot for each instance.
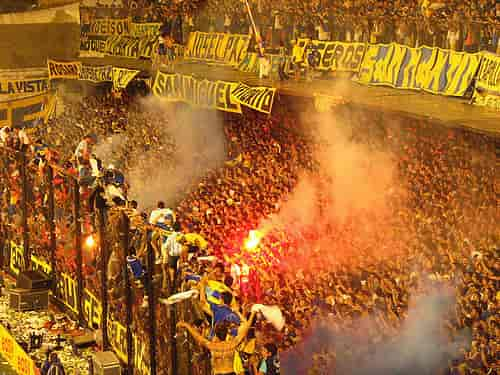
(359, 275)
(459, 25)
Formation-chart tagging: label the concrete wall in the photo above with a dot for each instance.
(29, 45)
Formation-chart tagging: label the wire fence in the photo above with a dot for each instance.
(49, 223)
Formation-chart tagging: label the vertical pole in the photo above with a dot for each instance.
(188, 337)
(4, 204)
(173, 327)
(7, 226)
(52, 227)
(151, 304)
(128, 292)
(24, 210)
(104, 277)
(78, 247)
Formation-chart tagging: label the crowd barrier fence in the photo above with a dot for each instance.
(46, 225)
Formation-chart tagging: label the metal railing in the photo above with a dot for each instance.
(48, 224)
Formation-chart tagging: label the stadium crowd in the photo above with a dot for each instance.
(438, 232)
(460, 25)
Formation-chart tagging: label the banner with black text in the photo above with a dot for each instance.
(17, 87)
(197, 92)
(333, 56)
(259, 98)
(96, 74)
(487, 89)
(60, 69)
(217, 47)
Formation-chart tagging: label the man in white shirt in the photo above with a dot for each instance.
(162, 217)
(172, 249)
(83, 151)
(5, 133)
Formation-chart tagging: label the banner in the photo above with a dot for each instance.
(251, 63)
(67, 293)
(15, 355)
(140, 30)
(487, 89)
(24, 112)
(122, 77)
(96, 74)
(217, 47)
(197, 92)
(334, 56)
(59, 69)
(258, 98)
(93, 45)
(434, 70)
(107, 27)
(16, 258)
(130, 47)
(23, 86)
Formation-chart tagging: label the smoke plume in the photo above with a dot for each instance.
(192, 142)
(422, 345)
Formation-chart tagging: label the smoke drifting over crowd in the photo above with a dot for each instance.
(193, 142)
(421, 346)
(350, 180)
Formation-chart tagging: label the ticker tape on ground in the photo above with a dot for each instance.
(21, 113)
(199, 93)
(14, 354)
(333, 56)
(67, 293)
(13, 87)
(487, 89)
(434, 70)
(217, 47)
(258, 98)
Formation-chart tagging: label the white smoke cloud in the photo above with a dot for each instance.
(422, 345)
(192, 143)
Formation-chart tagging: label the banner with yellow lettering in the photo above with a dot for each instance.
(17, 87)
(122, 77)
(24, 113)
(487, 89)
(197, 92)
(429, 69)
(259, 98)
(96, 74)
(217, 47)
(333, 56)
(60, 69)
(15, 355)
(130, 47)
